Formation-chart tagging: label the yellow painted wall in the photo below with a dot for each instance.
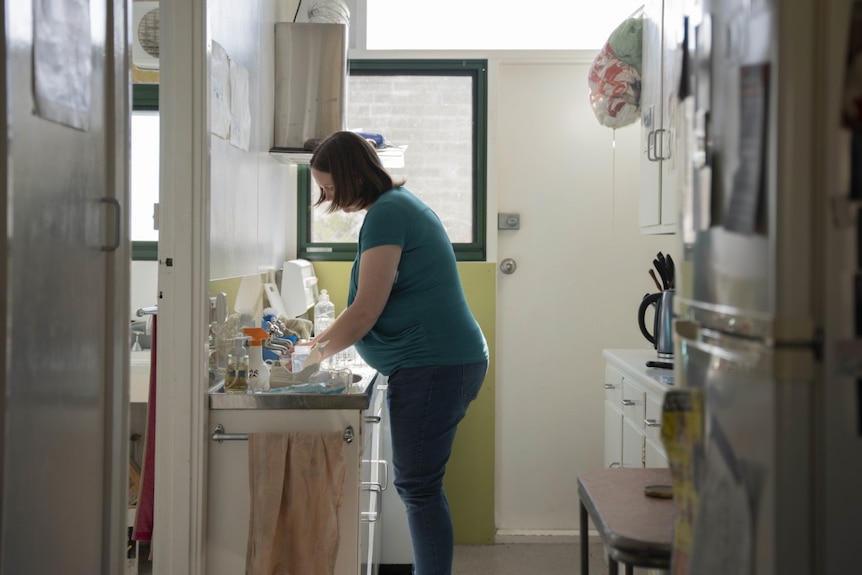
(469, 480)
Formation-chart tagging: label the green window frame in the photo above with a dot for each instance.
(145, 97)
(474, 250)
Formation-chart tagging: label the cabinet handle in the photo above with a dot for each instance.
(376, 489)
(628, 402)
(651, 423)
(650, 146)
(614, 464)
(372, 419)
(610, 386)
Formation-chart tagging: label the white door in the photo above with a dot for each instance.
(63, 426)
(554, 167)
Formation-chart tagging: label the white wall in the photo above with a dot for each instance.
(248, 188)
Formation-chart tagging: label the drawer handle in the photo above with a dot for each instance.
(372, 419)
(628, 402)
(377, 489)
(385, 465)
(610, 386)
(652, 423)
(615, 464)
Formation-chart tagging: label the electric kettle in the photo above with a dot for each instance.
(662, 332)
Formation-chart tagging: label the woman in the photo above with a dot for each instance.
(408, 318)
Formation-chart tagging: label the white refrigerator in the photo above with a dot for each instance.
(768, 290)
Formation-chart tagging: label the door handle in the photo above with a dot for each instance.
(117, 221)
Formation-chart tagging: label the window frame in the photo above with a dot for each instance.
(145, 97)
(475, 250)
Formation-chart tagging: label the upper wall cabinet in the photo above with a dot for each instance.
(662, 36)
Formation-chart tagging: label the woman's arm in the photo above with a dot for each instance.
(377, 269)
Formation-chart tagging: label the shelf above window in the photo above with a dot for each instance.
(390, 156)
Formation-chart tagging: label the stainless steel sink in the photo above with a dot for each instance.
(299, 396)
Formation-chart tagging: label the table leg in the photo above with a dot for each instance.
(585, 550)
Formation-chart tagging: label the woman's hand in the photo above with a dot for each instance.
(315, 356)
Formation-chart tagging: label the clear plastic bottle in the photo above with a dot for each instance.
(236, 374)
(324, 313)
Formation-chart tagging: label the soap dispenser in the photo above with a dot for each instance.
(236, 373)
(258, 370)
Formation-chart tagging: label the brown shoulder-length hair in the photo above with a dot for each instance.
(357, 174)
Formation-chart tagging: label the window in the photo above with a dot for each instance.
(144, 170)
(436, 112)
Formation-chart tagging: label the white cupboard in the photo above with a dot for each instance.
(633, 398)
(660, 115)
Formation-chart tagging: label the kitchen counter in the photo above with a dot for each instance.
(357, 397)
(632, 362)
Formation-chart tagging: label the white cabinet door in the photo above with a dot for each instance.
(651, 104)
(671, 39)
(634, 411)
(613, 435)
(613, 417)
(633, 444)
(652, 420)
(662, 27)
(654, 456)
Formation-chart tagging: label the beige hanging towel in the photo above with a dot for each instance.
(296, 481)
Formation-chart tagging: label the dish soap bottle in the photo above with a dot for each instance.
(258, 370)
(324, 313)
(236, 373)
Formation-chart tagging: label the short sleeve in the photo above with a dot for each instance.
(386, 223)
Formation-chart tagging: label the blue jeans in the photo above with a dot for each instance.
(425, 406)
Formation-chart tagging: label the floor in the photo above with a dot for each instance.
(512, 559)
(526, 559)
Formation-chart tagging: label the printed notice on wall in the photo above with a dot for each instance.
(220, 88)
(62, 66)
(240, 114)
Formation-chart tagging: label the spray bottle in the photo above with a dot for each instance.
(258, 371)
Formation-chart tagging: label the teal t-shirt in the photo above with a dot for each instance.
(426, 320)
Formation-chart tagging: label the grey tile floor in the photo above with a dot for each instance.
(526, 559)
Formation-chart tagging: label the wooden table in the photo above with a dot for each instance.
(637, 530)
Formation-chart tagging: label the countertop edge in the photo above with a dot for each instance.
(632, 362)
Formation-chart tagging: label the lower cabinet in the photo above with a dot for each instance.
(360, 513)
(633, 399)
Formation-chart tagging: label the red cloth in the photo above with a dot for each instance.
(146, 498)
